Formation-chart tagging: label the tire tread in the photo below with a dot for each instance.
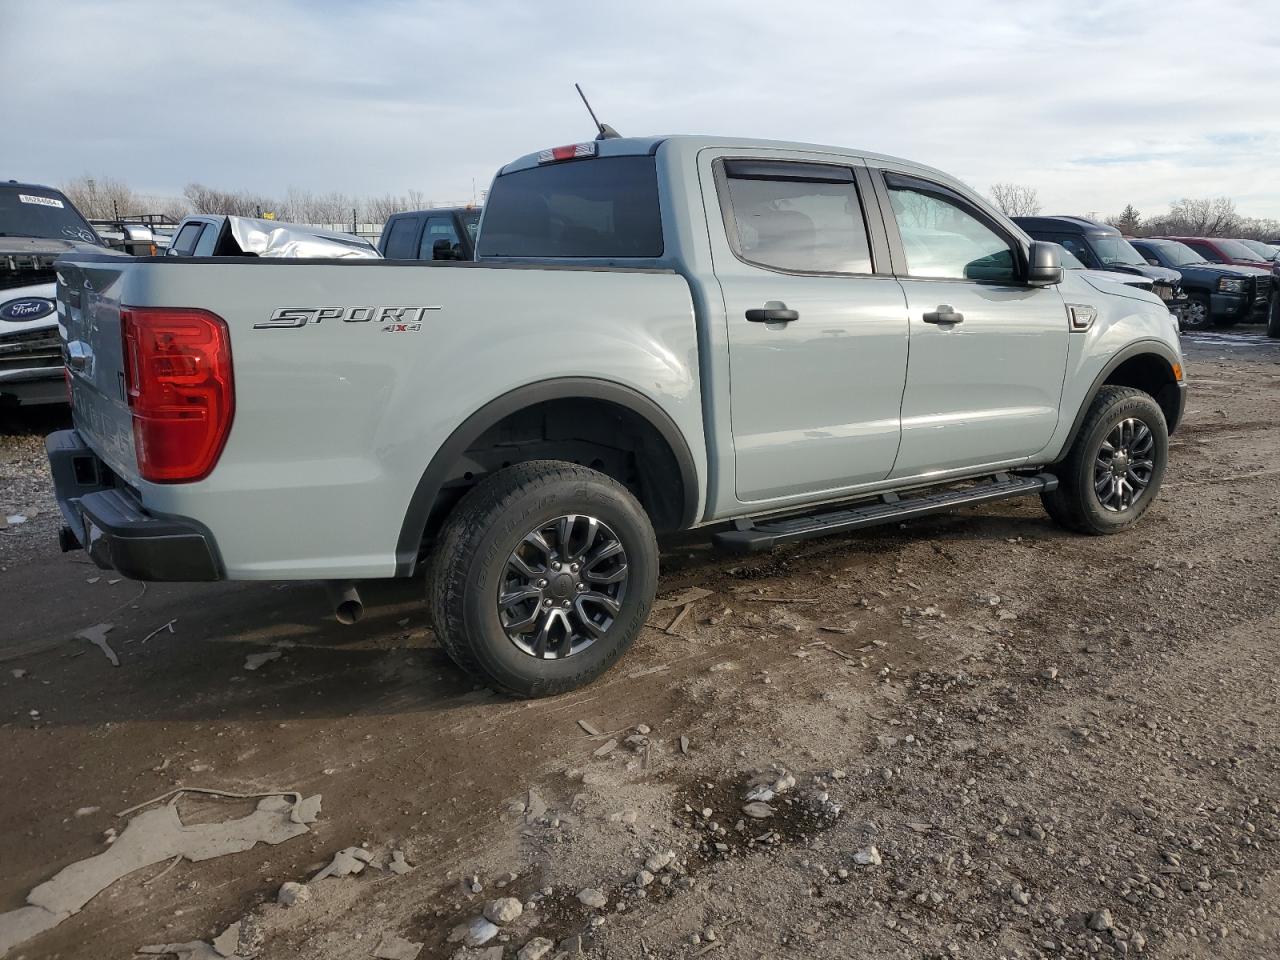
(447, 580)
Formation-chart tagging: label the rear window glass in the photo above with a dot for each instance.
(602, 207)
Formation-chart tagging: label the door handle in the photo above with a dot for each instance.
(773, 315)
(944, 314)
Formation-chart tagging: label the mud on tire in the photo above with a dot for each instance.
(485, 556)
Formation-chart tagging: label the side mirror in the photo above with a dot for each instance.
(1044, 264)
(1152, 263)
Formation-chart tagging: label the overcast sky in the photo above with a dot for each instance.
(1095, 104)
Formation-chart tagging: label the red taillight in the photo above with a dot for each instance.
(177, 369)
(66, 378)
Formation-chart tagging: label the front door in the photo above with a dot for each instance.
(988, 353)
(817, 339)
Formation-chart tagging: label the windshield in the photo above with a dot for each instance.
(1237, 251)
(41, 212)
(1264, 250)
(1116, 250)
(471, 220)
(1177, 254)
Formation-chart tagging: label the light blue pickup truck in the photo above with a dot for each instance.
(770, 340)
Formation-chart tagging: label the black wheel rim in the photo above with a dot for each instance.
(1124, 465)
(563, 586)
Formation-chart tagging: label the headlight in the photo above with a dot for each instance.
(1231, 285)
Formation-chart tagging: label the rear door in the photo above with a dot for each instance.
(988, 353)
(817, 327)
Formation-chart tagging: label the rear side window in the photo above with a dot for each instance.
(803, 217)
(600, 207)
(185, 242)
(402, 239)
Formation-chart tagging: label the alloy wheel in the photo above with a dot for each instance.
(562, 586)
(1196, 314)
(1124, 465)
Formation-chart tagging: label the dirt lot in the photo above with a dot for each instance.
(1005, 741)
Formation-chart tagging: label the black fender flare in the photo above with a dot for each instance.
(1135, 349)
(589, 388)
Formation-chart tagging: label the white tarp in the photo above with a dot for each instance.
(268, 238)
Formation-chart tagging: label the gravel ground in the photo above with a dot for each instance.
(971, 736)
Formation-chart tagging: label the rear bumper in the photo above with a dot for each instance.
(111, 525)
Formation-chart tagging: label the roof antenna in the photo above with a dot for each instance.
(606, 132)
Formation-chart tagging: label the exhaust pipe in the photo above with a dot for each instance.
(345, 600)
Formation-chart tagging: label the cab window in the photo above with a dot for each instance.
(402, 238)
(440, 240)
(185, 242)
(798, 217)
(945, 238)
(208, 240)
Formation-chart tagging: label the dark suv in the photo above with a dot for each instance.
(1100, 246)
(443, 233)
(1218, 293)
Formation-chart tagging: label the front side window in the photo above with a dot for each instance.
(783, 219)
(1077, 248)
(1205, 250)
(440, 240)
(943, 239)
(208, 240)
(599, 207)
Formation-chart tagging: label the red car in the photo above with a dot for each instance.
(1218, 250)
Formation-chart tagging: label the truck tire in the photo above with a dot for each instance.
(542, 577)
(1113, 471)
(1196, 315)
(1273, 318)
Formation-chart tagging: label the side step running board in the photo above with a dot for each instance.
(750, 536)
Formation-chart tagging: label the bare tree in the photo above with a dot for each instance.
(101, 198)
(1015, 199)
(1203, 217)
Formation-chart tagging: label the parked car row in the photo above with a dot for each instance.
(1205, 281)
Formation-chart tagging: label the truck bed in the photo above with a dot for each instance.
(349, 375)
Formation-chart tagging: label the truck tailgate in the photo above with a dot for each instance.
(89, 297)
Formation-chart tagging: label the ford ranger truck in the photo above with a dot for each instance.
(772, 341)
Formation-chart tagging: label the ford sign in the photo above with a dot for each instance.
(28, 308)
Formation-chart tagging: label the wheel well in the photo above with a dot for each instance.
(1152, 374)
(596, 433)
